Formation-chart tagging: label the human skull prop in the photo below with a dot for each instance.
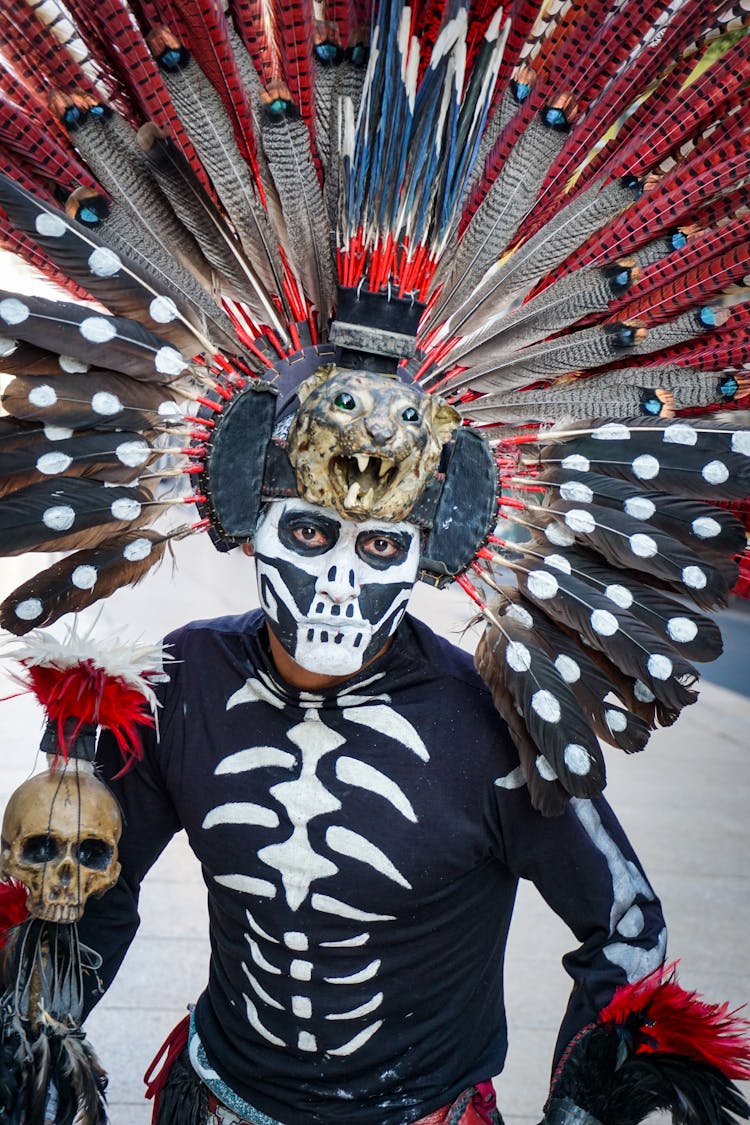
(59, 838)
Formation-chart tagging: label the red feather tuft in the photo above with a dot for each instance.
(87, 693)
(12, 907)
(677, 1022)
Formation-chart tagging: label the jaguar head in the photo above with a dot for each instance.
(366, 444)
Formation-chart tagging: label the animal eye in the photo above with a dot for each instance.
(344, 401)
(410, 414)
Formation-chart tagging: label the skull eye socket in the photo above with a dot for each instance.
(410, 414)
(94, 854)
(344, 401)
(39, 849)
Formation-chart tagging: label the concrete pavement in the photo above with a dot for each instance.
(684, 803)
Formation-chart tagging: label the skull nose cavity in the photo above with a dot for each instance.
(339, 585)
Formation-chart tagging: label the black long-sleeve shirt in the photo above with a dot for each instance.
(361, 848)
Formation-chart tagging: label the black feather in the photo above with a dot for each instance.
(91, 337)
(605, 626)
(33, 518)
(81, 579)
(591, 687)
(707, 470)
(100, 399)
(567, 748)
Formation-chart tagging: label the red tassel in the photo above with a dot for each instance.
(681, 1023)
(12, 907)
(88, 694)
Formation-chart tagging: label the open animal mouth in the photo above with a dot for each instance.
(363, 479)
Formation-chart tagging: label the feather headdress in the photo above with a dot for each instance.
(529, 221)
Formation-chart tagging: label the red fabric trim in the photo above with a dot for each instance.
(173, 1046)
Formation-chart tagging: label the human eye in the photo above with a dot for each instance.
(307, 534)
(382, 549)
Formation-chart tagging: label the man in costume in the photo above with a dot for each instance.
(356, 807)
(335, 269)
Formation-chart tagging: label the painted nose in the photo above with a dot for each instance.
(339, 584)
(380, 429)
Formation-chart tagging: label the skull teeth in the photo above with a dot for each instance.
(352, 495)
(385, 466)
(363, 460)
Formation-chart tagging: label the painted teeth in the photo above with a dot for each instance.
(363, 460)
(367, 500)
(385, 466)
(352, 495)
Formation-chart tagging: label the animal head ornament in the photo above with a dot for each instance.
(365, 444)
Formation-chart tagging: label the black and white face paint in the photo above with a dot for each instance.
(334, 591)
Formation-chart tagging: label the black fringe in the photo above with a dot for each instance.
(183, 1099)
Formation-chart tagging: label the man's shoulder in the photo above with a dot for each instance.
(441, 656)
(237, 625)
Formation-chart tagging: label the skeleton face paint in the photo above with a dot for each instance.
(333, 591)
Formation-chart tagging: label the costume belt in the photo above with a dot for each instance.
(475, 1106)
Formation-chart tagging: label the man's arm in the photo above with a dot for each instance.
(109, 923)
(585, 868)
